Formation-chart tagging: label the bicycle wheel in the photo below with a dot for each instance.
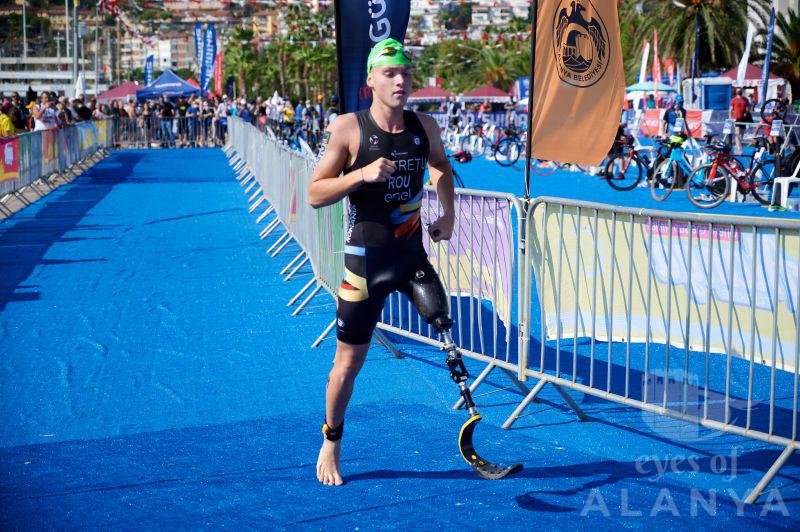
(475, 144)
(542, 167)
(480, 145)
(664, 179)
(623, 171)
(506, 152)
(708, 185)
(759, 181)
(775, 104)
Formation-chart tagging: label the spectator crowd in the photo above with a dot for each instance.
(175, 122)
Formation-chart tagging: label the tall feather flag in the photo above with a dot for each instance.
(578, 81)
(643, 68)
(359, 25)
(219, 69)
(740, 74)
(198, 47)
(148, 71)
(767, 56)
(656, 64)
(209, 54)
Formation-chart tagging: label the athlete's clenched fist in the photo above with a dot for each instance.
(379, 171)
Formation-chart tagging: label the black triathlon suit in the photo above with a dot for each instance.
(383, 246)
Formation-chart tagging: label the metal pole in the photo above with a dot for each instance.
(24, 31)
(696, 55)
(74, 43)
(337, 14)
(96, 16)
(529, 142)
(66, 25)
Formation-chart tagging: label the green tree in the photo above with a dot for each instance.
(240, 58)
(723, 28)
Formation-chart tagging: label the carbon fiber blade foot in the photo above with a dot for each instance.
(486, 469)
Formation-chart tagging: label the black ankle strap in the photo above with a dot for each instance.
(333, 434)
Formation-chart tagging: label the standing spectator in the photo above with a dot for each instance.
(146, 121)
(17, 113)
(81, 111)
(167, 115)
(453, 111)
(671, 118)
(288, 118)
(738, 111)
(6, 124)
(100, 112)
(44, 114)
(298, 112)
(331, 113)
(192, 113)
(221, 117)
(319, 107)
(183, 127)
(63, 115)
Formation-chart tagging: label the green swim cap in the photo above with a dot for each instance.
(388, 52)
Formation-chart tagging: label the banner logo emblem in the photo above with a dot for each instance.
(580, 46)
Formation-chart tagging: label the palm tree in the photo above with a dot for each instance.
(240, 57)
(785, 60)
(493, 67)
(723, 27)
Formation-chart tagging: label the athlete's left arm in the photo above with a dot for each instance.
(442, 179)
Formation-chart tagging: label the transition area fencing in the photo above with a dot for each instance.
(150, 131)
(35, 157)
(693, 317)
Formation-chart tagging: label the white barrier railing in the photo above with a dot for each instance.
(478, 267)
(697, 315)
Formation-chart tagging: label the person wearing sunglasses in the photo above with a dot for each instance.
(377, 159)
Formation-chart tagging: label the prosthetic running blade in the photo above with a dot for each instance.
(483, 467)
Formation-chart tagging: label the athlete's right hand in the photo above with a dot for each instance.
(378, 171)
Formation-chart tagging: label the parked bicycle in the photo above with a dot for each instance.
(673, 171)
(708, 185)
(625, 169)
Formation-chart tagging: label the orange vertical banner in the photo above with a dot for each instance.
(578, 82)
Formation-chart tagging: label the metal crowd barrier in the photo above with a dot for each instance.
(37, 157)
(479, 267)
(693, 317)
(178, 132)
(272, 172)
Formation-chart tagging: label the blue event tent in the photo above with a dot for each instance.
(168, 84)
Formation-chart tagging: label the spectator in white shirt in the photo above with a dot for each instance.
(44, 114)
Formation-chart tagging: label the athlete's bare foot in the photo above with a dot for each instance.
(328, 463)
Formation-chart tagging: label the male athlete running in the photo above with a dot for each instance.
(383, 152)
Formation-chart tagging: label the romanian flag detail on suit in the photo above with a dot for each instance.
(578, 82)
(9, 164)
(405, 218)
(353, 287)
